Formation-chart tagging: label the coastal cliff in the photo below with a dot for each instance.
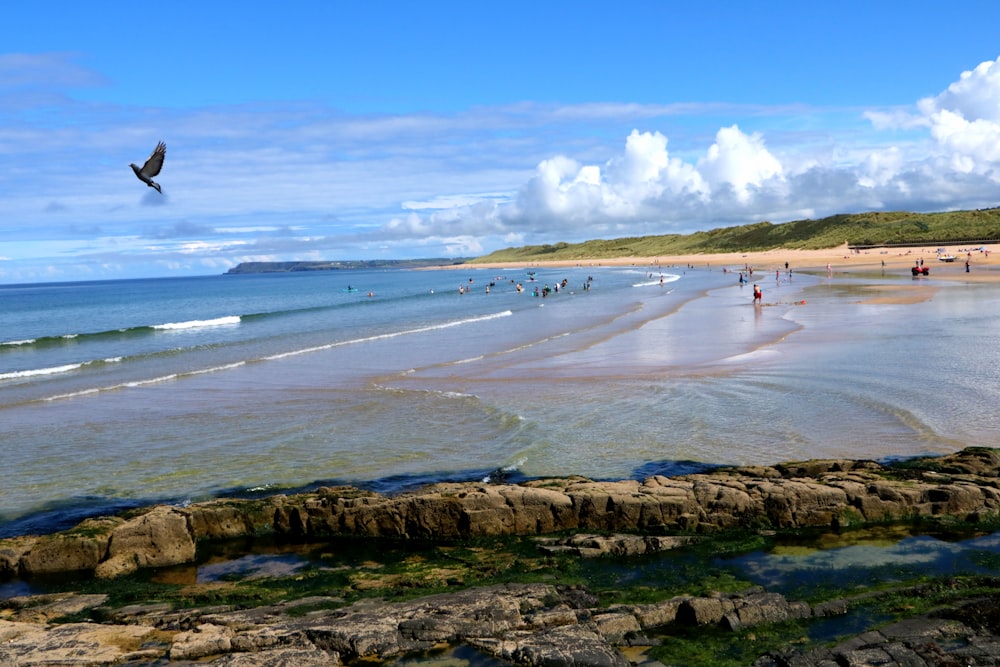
(294, 267)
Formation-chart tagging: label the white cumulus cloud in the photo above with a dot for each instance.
(965, 119)
(939, 153)
(740, 161)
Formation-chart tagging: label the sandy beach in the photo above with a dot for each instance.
(983, 266)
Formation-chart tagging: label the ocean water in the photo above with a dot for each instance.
(127, 392)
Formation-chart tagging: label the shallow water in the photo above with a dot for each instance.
(310, 384)
(811, 566)
(803, 568)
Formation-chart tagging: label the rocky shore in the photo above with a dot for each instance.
(820, 493)
(530, 624)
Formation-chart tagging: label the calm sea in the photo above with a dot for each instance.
(126, 392)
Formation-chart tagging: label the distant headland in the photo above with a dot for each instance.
(293, 267)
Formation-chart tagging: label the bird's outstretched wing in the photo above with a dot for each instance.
(155, 161)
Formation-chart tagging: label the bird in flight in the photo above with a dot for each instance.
(152, 167)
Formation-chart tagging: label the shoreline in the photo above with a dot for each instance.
(984, 266)
(529, 574)
(811, 494)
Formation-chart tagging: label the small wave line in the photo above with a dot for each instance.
(394, 334)
(666, 278)
(55, 370)
(141, 383)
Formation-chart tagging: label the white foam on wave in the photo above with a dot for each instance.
(667, 278)
(174, 376)
(52, 370)
(143, 383)
(753, 355)
(514, 467)
(55, 370)
(197, 324)
(469, 360)
(456, 394)
(15, 343)
(216, 369)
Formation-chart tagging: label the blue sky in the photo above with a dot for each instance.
(335, 130)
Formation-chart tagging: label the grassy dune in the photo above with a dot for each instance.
(860, 229)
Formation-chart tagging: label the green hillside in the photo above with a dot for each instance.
(861, 229)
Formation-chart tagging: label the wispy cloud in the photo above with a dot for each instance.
(287, 181)
(45, 71)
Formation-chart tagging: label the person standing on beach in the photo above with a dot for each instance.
(757, 294)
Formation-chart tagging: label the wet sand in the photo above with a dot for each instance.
(897, 294)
